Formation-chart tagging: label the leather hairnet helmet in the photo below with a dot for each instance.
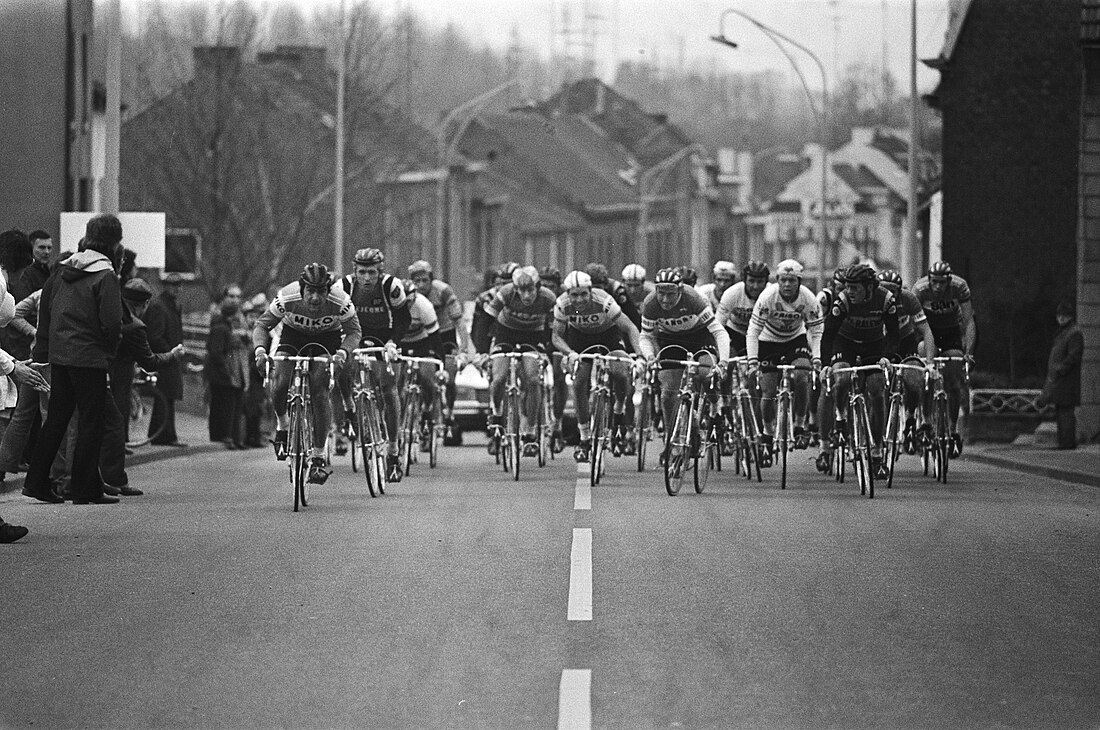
(370, 257)
(577, 279)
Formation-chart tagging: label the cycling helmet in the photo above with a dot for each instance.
(577, 279)
(940, 269)
(369, 257)
(890, 277)
(838, 275)
(315, 275)
(725, 268)
(525, 276)
(688, 275)
(551, 274)
(410, 287)
(788, 267)
(507, 269)
(634, 273)
(861, 274)
(669, 276)
(420, 267)
(599, 274)
(756, 269)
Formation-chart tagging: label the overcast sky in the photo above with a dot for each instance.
(839, 32)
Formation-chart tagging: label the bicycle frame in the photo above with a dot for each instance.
(747, 420)
(602, 401)
(300, 413)
(373, 434)
(891, 438)
(511, 435)
(684, 440)
(412, 408)
(784, 417)
(859, 438)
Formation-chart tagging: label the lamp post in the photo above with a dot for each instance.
(776, 37)
(445, 146)
(338, 193)
(652, 179)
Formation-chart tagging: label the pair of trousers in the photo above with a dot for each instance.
(112, 454)
(19, 438)
(226, 411)
(165, 414)
(72, 388)
(1066, 418)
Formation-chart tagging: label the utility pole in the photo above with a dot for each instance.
(338, 200)
(909, 253)
(108, 191)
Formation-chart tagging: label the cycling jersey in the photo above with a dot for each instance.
(637, 296)
(690, 322)
(448, 310)
(599, 314)
(774, 319)
(709, 292)
(910, 312)
(618, 292)
(381, 308)
(944, 309)
(422, 320)
(735, 308)
(872, 322)
(335, 315)
(509, 311)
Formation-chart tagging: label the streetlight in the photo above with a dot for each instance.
(775, 37)
(445, 146)
(652, 178)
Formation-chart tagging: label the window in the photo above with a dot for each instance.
(182, 252)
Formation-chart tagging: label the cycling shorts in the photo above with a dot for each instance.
(508, 336)
(858, 353)
(311, 344)
(581, 341)
(688, 347)
(908, 346)
(737, 343)
(420, 348)
(784, 353)
(949, 338)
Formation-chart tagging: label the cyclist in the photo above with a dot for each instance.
(913, 330)
(945, 298)
(422, 339)
(677, 315)
(734, 310)
(520, 311)
(785, 329)
(637, 288)
(585, 316)
(317, 319)
(481, 324)
(452, 335)
(550, 277)
(384, 317)
(862, 328)
(688, 275)
(825, 410)
(602, 280)
(725, 276)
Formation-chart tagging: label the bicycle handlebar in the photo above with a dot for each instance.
(421, 360)
(300, 358)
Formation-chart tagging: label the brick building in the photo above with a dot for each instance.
(1088, 228)
(1009, 93)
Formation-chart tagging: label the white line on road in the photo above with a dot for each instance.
(582, 496)
(580, 575)
(575, 699)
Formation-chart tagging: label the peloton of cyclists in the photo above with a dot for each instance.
(453, 336)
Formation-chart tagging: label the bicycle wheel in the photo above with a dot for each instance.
(436, 440)
(512, 435)
(705, 460)
(862, 447)
(353, 447)
(366, 441)
(676, 452)
(409, 440)
(143, 399)
(641, 428)
(599, 431)
(380, 446)
(299, 462)
(782, 428)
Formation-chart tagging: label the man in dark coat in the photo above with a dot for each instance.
(164, 324)
(227, 369)
(79, 327)
(1063, 385)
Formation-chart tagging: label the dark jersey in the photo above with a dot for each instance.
(868, 321)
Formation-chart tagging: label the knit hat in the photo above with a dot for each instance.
(136, 290)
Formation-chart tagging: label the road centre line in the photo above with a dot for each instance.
(582, 495)
(580, 575)
(575, 699)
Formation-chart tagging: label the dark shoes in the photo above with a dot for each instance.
(956, 446)
(50, 497)
(279, 442)
(394, 470)
(11, 533)
(318, 472)
(580, 454)
(100, 499)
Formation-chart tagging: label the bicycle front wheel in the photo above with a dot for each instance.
(706, 461)
(143, 400)
(642, 429)
(676, 452)
(599, 432)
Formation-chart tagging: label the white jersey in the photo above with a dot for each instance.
(707, 290)
(735, 309)
(777, 320)
(424, 321)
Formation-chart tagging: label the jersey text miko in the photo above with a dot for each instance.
(598, 314)
(289, 308)
(690, 316)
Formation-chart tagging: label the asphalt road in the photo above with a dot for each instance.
(463, 599)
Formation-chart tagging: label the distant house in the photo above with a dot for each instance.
(564, 183)
(866, 190)
(1009, 95)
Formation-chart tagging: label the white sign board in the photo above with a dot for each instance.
(141, 232)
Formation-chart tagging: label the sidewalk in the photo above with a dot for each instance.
(191, 429)
(1081, 466)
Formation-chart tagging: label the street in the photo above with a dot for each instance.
(464, 599)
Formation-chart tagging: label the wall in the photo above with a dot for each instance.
(1088, 248)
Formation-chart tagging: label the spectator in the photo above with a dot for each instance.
(15, 255)
(257, 405)
(1063, 385)
(34, 276)
(227, 367)
(134, 349)
(11, 533)
(164, 323)
(79, 327)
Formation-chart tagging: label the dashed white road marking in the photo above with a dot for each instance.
(580, 575)
(575, 700)
(582, 496)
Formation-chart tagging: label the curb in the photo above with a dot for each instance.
(1076, 477)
